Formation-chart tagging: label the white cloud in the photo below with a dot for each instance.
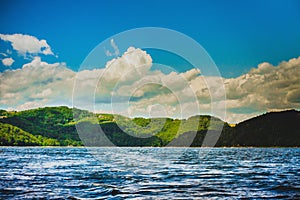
(262, 89)
(134, 88)
(267, 87)
(134, 62)
(36, 62)
(238, 117)
(37, 82)
(8, 61)
(24, 44)
(29, 105)
(127, 69)
(43, 94)
(115, 47)
(40, 81)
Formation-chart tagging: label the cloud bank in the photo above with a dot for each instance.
(135, 89)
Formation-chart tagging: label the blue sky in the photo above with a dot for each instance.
(255, 45)
(238, 35)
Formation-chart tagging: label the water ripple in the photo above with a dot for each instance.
(146, 173)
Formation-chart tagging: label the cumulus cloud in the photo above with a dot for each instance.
(37, 82)
(36, 62)
(8, 61)
(26, 44)
(29, 105)
(134, 89)
(265, 88)
(134, 62)
(125, 70)
(262, 89)
(43, 94)
(48, 84)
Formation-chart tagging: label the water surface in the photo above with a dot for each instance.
(145, 173)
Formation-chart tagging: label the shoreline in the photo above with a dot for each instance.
(240, 147)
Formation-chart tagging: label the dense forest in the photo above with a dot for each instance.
(59, 126)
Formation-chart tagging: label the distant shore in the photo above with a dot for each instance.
(146, 147)
(63, 126)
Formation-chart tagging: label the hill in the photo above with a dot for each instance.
(57, 125)
(271, 129)
(49, 122)
(14, 136)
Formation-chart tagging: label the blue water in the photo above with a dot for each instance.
(149, 173)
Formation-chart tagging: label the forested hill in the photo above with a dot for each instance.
(49, 122)
(271, 129)
(56, 126)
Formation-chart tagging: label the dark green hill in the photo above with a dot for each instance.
(59, 123)
(275, 129)
(271, 129)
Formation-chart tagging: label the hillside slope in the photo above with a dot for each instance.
(271, 129)
(59, 124)
(14, 136)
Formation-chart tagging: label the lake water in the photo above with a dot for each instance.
(149, 173)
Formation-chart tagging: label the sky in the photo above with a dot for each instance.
(254, 44)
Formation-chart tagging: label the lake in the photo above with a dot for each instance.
(149, 173)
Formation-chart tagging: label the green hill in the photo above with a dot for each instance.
(57, 126)
(275, 129)
(50, 122)
(14, 136)
(271, 129)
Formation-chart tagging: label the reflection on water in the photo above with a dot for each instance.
(158, 173)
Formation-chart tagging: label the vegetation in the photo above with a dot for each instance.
(49, 122)
(52, 126)
(14, 136)
(270, 129)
